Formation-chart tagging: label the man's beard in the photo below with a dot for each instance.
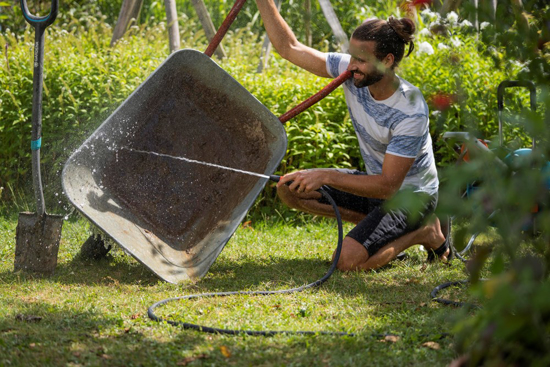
(369, 79)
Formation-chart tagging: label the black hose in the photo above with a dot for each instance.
(317, 283)
(213, 330)
(449, 302)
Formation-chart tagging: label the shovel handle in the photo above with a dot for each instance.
(40, 22)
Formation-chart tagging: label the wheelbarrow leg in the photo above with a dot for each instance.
(94, 248)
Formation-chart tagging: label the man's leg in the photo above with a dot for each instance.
(354, 255)
(309, 203)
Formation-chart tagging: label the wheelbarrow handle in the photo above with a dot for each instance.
(224, 27)
(335, 83)
(40, 22)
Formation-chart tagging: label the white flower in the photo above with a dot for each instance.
(519, 64)
(452, 17)
(425, 32)
(466, 23)
(484, 25)
(442, 46)
(429, 14)
(456, 42)
(426, 48)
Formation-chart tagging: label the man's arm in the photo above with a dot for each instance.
(382, 186)
(286, 44)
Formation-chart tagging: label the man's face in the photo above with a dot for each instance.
(366, 68)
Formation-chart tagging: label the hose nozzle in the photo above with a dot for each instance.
(274, 178)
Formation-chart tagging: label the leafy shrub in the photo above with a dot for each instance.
(85, 80)
(513, 327)
(82, 83)
(459, 81)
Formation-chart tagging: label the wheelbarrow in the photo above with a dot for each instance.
(173, 216)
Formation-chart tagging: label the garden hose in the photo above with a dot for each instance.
(207, 329)
(448, 302)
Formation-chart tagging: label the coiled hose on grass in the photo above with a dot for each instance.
(214, 330)
(207, 329)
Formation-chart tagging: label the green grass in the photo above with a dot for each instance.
(95, 313)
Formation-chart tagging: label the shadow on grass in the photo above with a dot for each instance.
(248, 273)
(47, 334)
(89, 272)
(39, 333)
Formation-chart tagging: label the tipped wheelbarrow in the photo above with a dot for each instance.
(174, 216)
(38, 234)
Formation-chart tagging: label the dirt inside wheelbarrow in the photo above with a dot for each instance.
(184, 201)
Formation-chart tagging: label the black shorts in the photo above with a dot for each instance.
(380, 226)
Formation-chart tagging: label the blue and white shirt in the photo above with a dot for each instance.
(398, 125)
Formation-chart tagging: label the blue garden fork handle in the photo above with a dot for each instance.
(40, 24)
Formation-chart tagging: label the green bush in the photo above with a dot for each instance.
(457, 70)
(82, 83)
(85, 80)
(513, 326)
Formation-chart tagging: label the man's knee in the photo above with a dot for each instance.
(353, 256)
(300, 201)
(287, 197)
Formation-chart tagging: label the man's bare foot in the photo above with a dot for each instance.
(437, 240)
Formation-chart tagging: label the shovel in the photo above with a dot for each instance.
(38, 234)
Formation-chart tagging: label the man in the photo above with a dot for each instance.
(390, 117)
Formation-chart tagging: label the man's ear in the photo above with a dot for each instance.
(389, 60)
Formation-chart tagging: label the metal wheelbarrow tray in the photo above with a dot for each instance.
(173, 216)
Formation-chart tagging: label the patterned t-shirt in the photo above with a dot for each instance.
(398, 125)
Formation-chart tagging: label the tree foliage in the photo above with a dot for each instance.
(513, 326)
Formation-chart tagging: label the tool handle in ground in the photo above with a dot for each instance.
(40, 22)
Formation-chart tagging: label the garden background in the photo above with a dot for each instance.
(456, 64)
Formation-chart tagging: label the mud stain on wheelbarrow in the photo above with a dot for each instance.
(183, 201)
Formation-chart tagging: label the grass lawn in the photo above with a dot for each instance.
(95, 312)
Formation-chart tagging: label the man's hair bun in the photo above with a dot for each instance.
(405, 29)
(391, 36)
